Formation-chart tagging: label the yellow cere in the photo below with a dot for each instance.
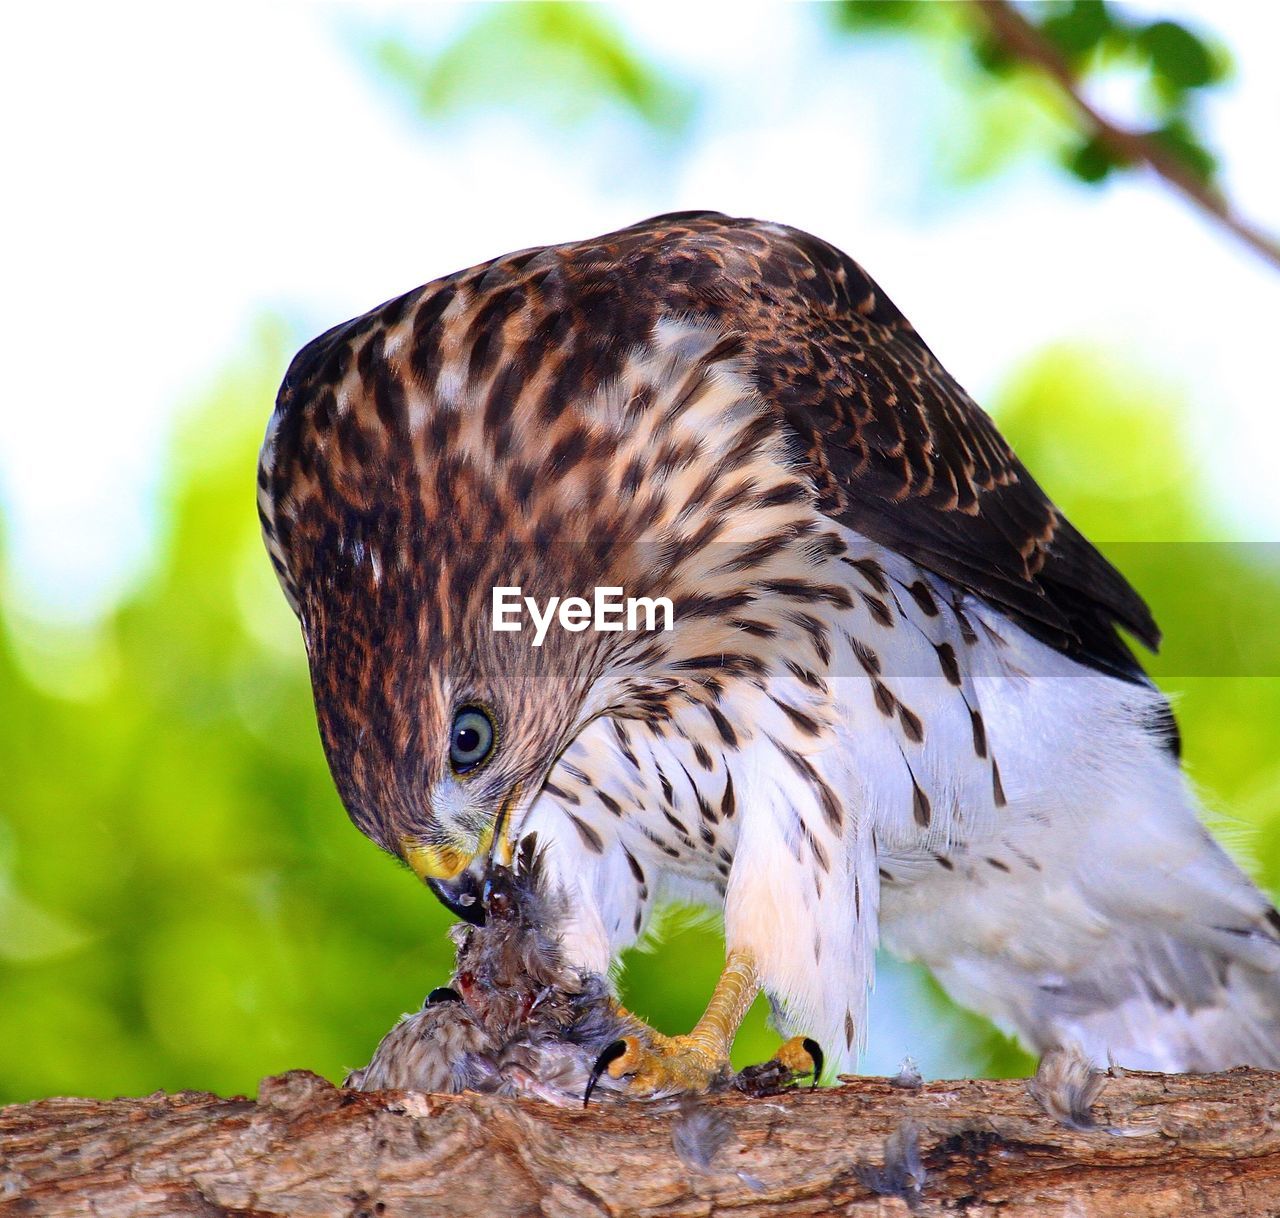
(435, 862)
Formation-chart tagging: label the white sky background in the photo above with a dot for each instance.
(175, 173)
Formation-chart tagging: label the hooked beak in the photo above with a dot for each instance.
(462, 896)
(459, 881)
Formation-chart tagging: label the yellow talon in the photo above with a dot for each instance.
(671, 1063)
(658, 1065)
(801, 1055)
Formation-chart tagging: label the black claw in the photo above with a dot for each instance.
(814, 1050)
(442, 993)
(610, 1054)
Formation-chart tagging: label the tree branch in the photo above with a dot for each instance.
(1026, 43)
(1172, 1145)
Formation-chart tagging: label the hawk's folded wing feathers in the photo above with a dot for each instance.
(898, 451)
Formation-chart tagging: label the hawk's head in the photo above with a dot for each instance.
(439, 729)
(471, 436)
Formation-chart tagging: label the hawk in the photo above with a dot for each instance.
(894, 704)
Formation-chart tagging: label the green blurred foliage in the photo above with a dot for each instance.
(184, 903)
(564, 62)
(1012, 109)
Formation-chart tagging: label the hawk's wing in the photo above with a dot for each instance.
(898, 451)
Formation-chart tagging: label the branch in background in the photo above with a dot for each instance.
(1028, 45)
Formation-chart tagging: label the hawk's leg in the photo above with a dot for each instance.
(696, 1060)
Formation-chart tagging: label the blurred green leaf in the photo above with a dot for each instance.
(1178, 55)
(1091, 160)
(28, 933)
(1077, 28)
(1010, 108)
(1178, 137)
(876, 14)
(564, 61)
(990, 54)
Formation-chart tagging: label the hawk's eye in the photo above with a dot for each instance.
(471, 740)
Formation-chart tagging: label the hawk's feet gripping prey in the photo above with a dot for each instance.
(665, 1065)
(668, 1065)
(658, 1065)
(687, 1063)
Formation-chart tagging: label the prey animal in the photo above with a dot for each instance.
(517, 1019)
(894, 707)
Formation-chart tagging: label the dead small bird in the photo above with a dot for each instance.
(516, 1019)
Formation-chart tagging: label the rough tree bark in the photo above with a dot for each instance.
(1172, 1145)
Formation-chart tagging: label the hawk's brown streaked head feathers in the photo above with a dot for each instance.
(399, 493)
